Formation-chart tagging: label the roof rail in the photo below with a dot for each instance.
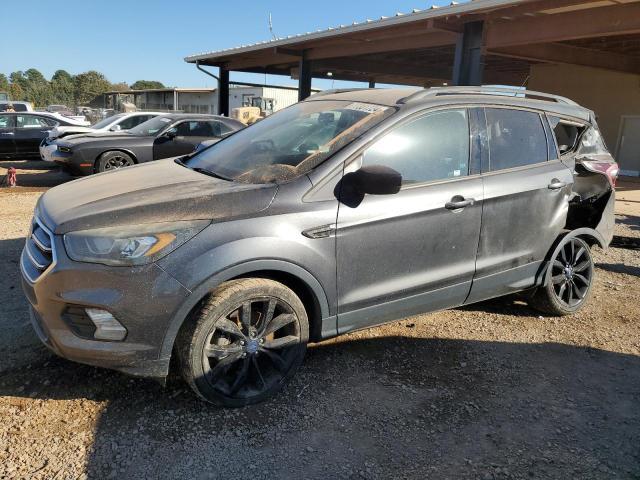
(486, 90)
(332, 91)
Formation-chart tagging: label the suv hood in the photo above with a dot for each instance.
(162, 191)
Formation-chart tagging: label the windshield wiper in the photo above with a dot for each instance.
(204, 171)
(210, 173)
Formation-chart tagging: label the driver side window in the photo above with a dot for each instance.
(433, 147)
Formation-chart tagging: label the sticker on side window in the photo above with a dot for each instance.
(365, 107)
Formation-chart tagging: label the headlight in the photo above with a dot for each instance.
(130, 245)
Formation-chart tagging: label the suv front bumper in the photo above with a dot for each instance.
(143, 299)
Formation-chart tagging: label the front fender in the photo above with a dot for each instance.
(236, 271)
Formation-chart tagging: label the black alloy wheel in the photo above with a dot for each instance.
(572, 271)
(113, 161)
(247, 341)
(251, 348)
(569, 279)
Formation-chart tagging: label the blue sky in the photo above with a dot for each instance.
(146, 39)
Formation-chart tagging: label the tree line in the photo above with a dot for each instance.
(63, 88)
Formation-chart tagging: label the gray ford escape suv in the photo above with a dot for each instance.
(344, 211)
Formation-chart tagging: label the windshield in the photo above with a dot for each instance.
(105, 122)
(289, 143)
(150, 127)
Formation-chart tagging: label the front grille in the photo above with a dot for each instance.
(38, 253)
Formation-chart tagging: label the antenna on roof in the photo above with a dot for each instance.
(273, 35)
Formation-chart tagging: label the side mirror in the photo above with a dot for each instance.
(170, 134)
(116, 128)
(376, 180)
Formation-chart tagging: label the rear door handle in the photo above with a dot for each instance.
(458, 202)
(556, 184)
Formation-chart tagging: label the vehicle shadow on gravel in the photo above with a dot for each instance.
(383, 407)
(620, 268)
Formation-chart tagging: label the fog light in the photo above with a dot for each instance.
(107, 327)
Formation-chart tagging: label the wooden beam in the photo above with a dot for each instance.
(377, 68)
(534, 7)
(596, 22)
(560, 53)
(413, 42)
(264, 58)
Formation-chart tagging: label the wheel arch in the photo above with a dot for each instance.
(117, 149)
(303, 283)
(589, 235)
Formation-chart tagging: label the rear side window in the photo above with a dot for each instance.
(566, 133)
(516, 138)
(433, 147)
(134, 121)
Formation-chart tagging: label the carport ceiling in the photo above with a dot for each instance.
(418, 48)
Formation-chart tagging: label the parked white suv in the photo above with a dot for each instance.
(114, 123)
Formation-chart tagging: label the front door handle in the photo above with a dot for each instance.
(556, 184)
(459, 202)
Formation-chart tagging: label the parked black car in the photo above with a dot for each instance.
(341, 212)
(164, 136)
(22, 132)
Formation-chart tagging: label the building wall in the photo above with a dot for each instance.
(197, 102)
(609, 94)
(283, 97)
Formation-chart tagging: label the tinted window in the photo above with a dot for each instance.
(434, 147)
(17, 107)
(134, 121)
(5, 121)
(516, 138)
(198, 129)
(32, 121)
(566, 134)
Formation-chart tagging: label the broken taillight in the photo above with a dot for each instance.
(608, 169)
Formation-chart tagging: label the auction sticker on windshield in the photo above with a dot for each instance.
(365, 107)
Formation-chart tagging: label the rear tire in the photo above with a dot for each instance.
(113, 160)
(244, 343)
(568, 280)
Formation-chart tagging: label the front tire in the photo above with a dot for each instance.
(568, 281)
(245, 343)
(113, 160)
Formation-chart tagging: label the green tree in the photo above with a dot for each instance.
(16, 92)
(4, 83)
(119, 87)
(38, 90)
(88, 86)
(18, 78)
(146, 84)
(62, 88)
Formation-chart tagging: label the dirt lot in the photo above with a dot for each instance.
(488, 391)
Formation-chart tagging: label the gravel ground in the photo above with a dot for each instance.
(491, 391)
